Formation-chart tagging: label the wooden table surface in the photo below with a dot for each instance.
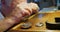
(46, 17)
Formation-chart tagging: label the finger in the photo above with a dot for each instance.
(26, 12)
(25, 6)
(28, 9)
(34, 7)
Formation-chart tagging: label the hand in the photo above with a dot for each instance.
(25, 9)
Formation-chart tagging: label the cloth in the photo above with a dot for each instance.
(1, 16)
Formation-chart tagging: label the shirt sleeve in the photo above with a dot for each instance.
(1, 16)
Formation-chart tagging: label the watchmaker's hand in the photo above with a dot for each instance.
(20, 11)
(25, 9)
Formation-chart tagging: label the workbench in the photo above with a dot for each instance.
(50, 17)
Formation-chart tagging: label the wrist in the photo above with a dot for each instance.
(15, 19)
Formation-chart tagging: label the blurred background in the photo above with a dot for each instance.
(45, 5)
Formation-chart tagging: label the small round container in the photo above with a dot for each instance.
(39, 24)
(53, 26)
(26, 26)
